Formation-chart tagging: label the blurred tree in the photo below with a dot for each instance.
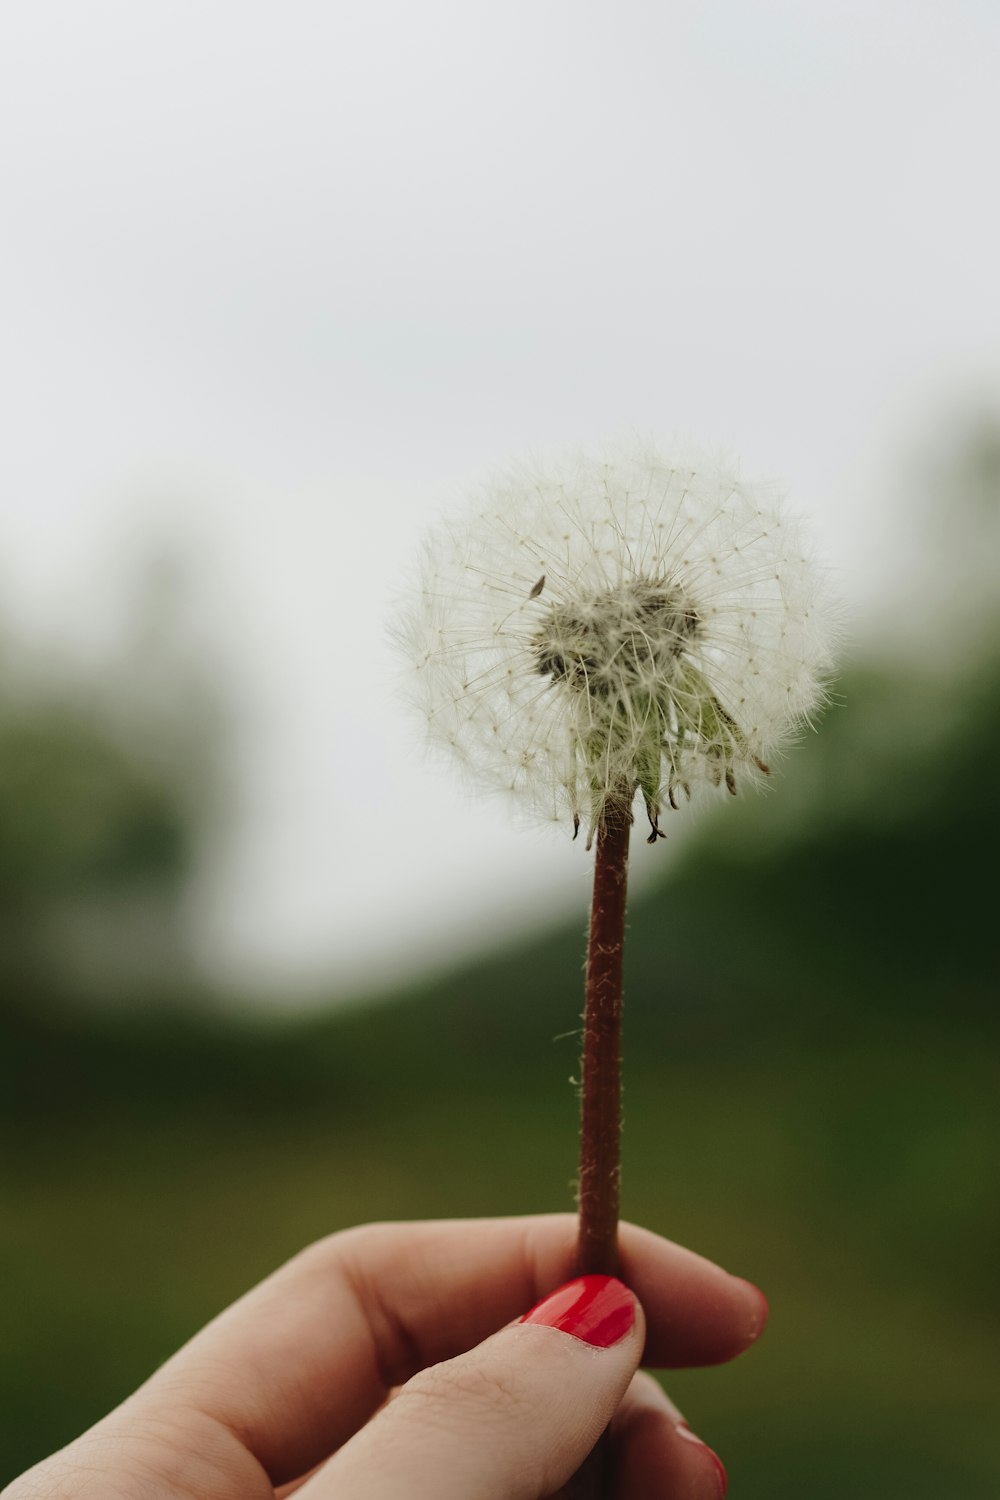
(107, 778)
(947, 541)
(87, 834)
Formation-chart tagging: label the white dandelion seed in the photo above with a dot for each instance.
(620, 625)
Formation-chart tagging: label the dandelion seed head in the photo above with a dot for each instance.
(616, 625)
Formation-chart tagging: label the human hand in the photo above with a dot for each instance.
(290, 1391)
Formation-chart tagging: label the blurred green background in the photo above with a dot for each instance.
(811, 1069)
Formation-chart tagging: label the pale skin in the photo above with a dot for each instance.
(387, 1363)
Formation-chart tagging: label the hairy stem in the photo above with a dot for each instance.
(600, 1115)
(600, 1112)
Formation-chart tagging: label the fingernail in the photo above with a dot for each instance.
(763, 1308)
(722, 1478)
(598, 1310)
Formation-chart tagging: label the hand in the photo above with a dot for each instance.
(293, 1390)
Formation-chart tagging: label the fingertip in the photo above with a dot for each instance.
(698, 1314)
(759, 1309)
(657, 1454)
(711, 1463)
(736, 1322)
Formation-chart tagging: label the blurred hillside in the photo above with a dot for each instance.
(855, 891)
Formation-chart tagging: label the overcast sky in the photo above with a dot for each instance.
(281, 280)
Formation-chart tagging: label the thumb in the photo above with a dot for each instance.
(512, 1419)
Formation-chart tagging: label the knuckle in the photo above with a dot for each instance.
(470, 1395)
(456, 1385)
(343, 1245)
(57, 1479)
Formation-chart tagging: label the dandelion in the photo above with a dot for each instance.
(623, 630)
(626, 625)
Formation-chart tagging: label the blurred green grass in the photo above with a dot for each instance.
(874, 1377)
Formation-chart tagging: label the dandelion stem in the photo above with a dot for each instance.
(600, 1110)
(600, 1115)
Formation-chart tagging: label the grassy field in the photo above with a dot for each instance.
(873, 1378)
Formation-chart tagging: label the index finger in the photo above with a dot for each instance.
(299, 1364)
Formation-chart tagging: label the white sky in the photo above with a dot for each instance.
(282, 279)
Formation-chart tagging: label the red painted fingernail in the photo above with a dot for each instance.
(599, 1310)
(684, 1431)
